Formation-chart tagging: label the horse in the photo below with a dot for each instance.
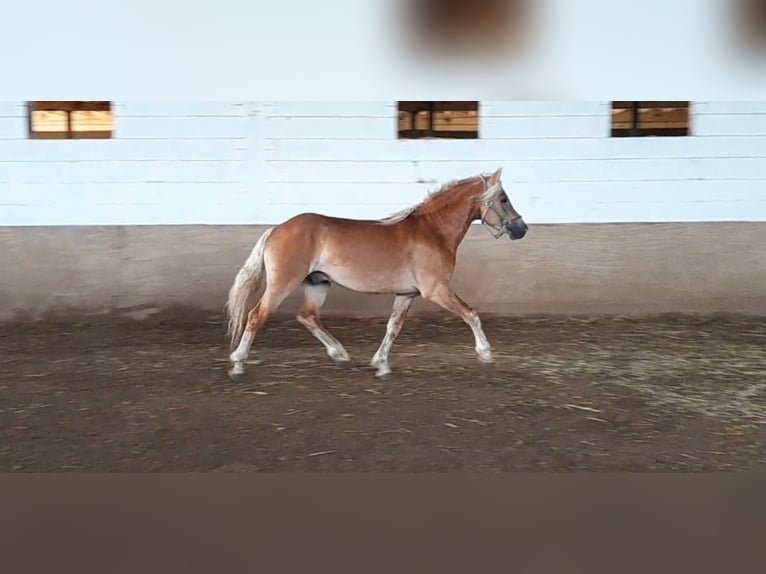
(409, 254)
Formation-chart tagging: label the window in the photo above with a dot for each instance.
(636, 119)
(452, 120)
(70, 120)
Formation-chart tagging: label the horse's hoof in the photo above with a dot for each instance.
(236, 375)
(383, 372)
(344, 363)
(488, 365)
(486, 358)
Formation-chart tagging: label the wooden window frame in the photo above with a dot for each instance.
(636, 130)
(413, 108)
(68, 107)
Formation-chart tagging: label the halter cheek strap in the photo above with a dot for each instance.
(495, 232)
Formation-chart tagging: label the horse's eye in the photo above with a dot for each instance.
(504, 200)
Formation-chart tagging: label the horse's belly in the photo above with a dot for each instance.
(367, 258)
(370, 279)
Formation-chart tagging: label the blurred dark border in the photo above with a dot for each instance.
(383, 523)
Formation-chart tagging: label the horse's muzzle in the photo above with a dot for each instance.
(517, 228)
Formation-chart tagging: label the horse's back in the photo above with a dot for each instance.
(315, 233)
(310, 222)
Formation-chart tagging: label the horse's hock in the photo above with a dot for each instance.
(567, 269)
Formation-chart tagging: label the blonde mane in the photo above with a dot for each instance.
(405, 213)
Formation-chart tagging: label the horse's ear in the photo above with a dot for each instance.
(496, 176)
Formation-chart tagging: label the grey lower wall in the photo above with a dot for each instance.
(561, 269)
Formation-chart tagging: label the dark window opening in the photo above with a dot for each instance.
(638, 119)
(450, 120)
(70, 120)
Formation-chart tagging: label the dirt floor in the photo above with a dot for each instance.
(670, 394)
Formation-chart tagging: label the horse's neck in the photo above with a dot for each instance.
(452, 219)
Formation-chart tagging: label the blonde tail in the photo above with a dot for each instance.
(247, 282)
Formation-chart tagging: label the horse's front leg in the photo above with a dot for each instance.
(402, 304)
(444, 296)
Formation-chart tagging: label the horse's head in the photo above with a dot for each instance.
(497, 213)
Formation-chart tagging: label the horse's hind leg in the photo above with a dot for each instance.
(315, 294)
(255, 320)
(272, 298)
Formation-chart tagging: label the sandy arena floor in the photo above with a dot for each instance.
(671, 394)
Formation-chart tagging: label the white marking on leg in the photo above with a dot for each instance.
(334, 349)
(402, 304)
(315, 296)
(380, 359)
(239, 354)
(446, 298)
(483, 348)
(243, 349)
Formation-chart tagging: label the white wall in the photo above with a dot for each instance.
(168, 163)
(559, 163)
(261, 162)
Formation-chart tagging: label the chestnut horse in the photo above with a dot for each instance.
(409, 254)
